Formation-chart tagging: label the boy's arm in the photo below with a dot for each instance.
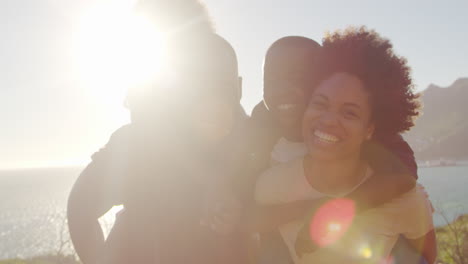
(83, 212)
(392, 178)
(265, 218)
(395, 173)
(379, 189)
(272, 202)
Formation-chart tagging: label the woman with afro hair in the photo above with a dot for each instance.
(364, 98)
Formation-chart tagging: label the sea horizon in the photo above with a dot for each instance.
(33, 208)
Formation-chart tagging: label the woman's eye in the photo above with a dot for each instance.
(349, 114)
(318, 104)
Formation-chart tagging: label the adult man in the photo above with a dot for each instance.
(161, 169)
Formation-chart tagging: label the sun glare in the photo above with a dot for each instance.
(115, 49)
(365, 252)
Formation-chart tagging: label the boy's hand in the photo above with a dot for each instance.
(304, 243)
(222, 214)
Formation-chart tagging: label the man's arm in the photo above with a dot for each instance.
(84, 209)
(93, 194)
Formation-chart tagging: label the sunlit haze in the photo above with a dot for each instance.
(66, 65)
(116, 49)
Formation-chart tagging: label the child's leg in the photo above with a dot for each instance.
(273, 250)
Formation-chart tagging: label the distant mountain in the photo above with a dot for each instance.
(441, 132)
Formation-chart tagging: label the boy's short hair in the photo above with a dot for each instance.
(292, 41)
(309, 49)
(178, 21)
(197, 66)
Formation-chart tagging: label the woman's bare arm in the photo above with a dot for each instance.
(426, 246)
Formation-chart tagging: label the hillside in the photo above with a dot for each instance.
(441, 132)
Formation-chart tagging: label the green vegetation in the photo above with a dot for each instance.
(51, 259)
(452, 240)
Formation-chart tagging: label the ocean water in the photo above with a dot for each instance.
(32, 210)
(33, 202)
(448, 191)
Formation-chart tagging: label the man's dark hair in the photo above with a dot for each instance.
(177, 16)
(180, 21)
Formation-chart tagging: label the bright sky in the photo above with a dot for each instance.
(51, 117)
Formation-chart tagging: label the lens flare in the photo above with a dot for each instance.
(365, 252)
(332, 221)
(115, 49)
(334, 227)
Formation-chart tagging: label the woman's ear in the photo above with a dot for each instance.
(370, 132)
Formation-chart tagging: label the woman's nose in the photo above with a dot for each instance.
(329, 118)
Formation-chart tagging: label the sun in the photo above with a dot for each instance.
(114, 49)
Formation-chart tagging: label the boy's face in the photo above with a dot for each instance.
(287, 81)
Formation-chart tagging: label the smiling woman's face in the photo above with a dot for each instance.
(338, 118)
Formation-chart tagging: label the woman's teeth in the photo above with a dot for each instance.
(326, 137)
(284, 107)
